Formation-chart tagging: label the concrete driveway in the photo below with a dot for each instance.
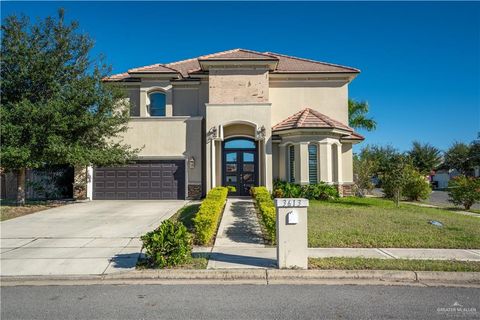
(96, 237)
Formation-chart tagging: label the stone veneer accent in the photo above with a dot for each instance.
(345, 190)
(194, 191)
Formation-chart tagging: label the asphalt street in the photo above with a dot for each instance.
(238, 302)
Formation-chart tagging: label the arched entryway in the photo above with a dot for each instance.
(240, 164)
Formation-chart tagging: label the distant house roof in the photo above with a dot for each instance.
(284, 64)
(312, 119)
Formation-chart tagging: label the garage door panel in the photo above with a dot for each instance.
(141, 181)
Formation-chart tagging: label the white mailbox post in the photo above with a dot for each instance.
(292, 243)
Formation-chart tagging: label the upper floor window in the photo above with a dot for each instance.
(157, 104)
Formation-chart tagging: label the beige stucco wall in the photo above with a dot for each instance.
(133, 94)
(185, 101)
(168, 138)
(238, 85)
(329, 98)
(238, 130)
(347, 162)
(275, 161)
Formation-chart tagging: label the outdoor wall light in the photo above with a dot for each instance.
(191, 163)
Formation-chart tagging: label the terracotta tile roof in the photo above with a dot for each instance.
(354, 136)
(286, 64)
(293, 64)
(238, 54)
(310, 119)
(185, 66)
(154, 68)
(117, 77)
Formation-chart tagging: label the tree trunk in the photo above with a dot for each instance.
(397, 198)
(21, 186)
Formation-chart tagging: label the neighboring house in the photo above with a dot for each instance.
(442, 176)
(240, 118)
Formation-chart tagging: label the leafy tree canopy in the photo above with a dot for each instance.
(458, 157)
(55, 109)
(425, 157)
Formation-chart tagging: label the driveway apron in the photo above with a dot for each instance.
(96, 237)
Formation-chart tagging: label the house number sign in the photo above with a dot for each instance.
(291, 202)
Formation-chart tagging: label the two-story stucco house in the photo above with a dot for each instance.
(239, 118)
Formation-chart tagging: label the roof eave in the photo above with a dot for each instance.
(313, 130)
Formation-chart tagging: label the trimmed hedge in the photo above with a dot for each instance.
(208, 216)
(267, 210)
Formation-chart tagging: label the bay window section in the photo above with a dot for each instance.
(291, 163)
(313, 163)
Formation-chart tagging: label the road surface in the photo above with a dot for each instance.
(238, 302)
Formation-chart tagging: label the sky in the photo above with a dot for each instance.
(420, 61)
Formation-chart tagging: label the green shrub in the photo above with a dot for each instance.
(267, 211)
(319, 191)
(209, 214)
(168, 245)
(464, 191)
(416, 187)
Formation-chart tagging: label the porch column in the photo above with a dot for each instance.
(282, 163)
(143, 103)
(339, 163)
(267, 150)
(325, 161)
(90, 182)
(212, 164)
(301, 159)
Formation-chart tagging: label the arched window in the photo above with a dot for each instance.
(240, 143)
(157, 104)
(313, 163)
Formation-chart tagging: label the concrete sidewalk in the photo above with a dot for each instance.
(269, 254)
(239, 242)
(397, 253)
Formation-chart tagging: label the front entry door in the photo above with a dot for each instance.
(240, 165)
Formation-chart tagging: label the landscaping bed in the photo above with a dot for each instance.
(392, 264)
(378, 223)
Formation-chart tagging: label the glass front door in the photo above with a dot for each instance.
(240, 165)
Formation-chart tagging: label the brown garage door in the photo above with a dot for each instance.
(144, 180)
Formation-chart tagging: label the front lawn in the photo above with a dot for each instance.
(378, 223)
(392, 264)
(9, 210)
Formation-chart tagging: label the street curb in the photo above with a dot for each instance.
(255, 276)
(179, 274)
